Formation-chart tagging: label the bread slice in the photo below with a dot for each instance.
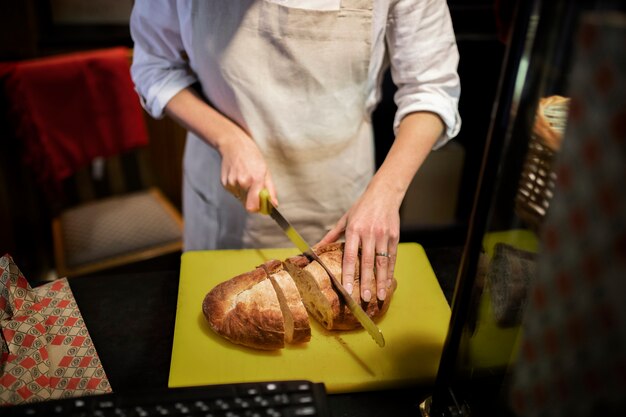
(297, 327)
(318, 292)
(246, 310)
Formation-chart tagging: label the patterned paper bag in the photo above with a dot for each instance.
(45, 348)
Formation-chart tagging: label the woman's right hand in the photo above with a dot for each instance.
(244, 171)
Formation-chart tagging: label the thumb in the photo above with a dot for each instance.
(269, 184)
(335, 233)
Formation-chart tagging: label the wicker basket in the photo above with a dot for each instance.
(537, 181)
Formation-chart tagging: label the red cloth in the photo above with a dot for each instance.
(71, 108)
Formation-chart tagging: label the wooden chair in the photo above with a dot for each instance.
(111, 223)
(106, 210)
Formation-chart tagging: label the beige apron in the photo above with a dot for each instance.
(296, 80)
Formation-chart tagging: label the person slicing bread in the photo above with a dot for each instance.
(269, 306)
(278, 95)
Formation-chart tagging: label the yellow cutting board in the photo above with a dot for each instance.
(414, 327)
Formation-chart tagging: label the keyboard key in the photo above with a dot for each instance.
(300, 411)
(294, 386)
(302, 398)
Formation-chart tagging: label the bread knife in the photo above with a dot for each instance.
(268, 208)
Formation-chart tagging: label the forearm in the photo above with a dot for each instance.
(417, 134)
(195, 115)
(243, 166)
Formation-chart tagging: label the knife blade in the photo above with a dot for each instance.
(268, 208)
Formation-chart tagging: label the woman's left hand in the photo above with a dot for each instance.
(373, 222)
(373, 226)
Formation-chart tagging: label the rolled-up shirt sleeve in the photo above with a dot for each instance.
(424, 62)
(160, 69)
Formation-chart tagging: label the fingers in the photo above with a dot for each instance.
(391, 265)
(378, 248)
(253, 202)
(247, 191)
(244, 173)
(237, 185)
(377, 275)
(367, 270)
(378, 266)
(335, 233)
(350, 253)
(350, 256)
(269, 184)
(392, 251)
(382, 260)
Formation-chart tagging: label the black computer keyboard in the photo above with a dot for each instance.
(263, 399)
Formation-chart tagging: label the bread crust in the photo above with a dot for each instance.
(272, 266)
(246, 311)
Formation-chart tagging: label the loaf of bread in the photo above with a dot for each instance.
(267, 307)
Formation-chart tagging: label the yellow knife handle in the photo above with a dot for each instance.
(265, 207)
(264, 197)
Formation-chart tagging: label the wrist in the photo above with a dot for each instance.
(228, 138)
(387, 188)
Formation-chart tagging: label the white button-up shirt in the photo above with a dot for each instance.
(414, 36)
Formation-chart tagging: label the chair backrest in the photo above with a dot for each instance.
(103, 177)
(74, 112)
